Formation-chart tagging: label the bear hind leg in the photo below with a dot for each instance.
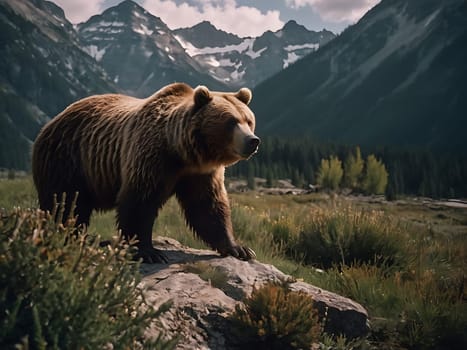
(135, 219)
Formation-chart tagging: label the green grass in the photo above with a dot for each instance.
(17, 193)
(404, 262)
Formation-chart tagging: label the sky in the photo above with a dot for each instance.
(241, 17)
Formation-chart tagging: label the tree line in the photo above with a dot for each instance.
(407, 172)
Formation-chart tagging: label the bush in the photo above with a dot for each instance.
(59, 289)
(276, 318)
(345, 235)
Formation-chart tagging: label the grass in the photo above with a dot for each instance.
(215, 275)
(403, 261)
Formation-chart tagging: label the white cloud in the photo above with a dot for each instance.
(224, 14)
(336, 10)
(80, 11)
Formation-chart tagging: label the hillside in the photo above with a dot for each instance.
(396, 78)
(42, 70)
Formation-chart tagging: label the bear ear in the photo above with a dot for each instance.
(244, 95)
(202, 96)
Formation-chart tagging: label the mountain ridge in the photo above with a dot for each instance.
(393, 79)
(248, 61)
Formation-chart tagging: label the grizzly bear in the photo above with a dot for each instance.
(133, 154)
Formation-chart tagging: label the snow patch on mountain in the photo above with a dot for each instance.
(291, 58)
(431, 18)
(95, 52)
(252, 53)
(143, 30)
(236, 75)
(104, 24)
(246, 47)
(302, 46)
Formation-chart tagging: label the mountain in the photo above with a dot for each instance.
(42, 70)
(46, 63)
(139, 52)
(397, 77)
(248, 61)
(204, 34)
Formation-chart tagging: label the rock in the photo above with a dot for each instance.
(200, 309)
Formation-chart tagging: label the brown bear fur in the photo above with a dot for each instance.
(134, 154)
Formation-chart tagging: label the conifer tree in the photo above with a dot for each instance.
(270, 180)
(251, 176)
(297, 178)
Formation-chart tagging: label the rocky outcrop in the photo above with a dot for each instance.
(201, 307)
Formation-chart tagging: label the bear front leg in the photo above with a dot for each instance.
(204, 201)
(135, 217)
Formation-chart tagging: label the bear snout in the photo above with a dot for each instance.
(251, 144)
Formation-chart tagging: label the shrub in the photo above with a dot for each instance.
(59, 289)
(274, 317)
(346, 235)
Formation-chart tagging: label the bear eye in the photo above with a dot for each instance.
(232, 122)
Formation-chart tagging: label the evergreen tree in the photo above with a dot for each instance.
(353, 168)
(251, 176)
(270, 180)
(297, 178)
(376, 176)
(330, 173)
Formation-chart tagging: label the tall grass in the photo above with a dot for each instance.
(412, 281)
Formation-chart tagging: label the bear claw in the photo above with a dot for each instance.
(151, 256)
(242, 253)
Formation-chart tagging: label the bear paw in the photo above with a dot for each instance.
(239, 252)
(151, 255)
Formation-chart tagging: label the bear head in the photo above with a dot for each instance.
(225, 125)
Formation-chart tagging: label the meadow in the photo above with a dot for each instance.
(404, 261)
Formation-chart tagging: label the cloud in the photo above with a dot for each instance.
(336, 10)
(80, 11)
(224, 14)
